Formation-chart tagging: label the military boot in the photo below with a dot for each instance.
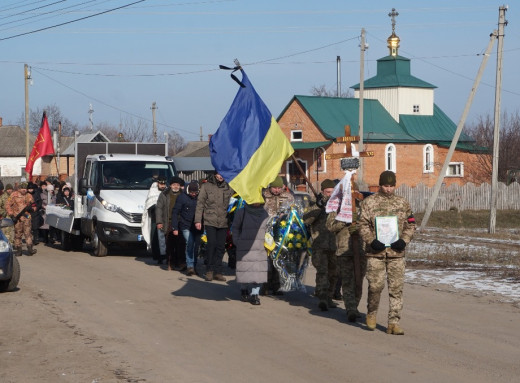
(17, 251)
(393, 328)
(219, 277)
(371, 321)
(331, 304)
(323, 305)
(31, 250)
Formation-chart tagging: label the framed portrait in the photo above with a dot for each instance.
(387, 230)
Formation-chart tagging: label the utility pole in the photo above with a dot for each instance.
(361, 107)
(338, 75)
(451, 150)
(201, 137)
(27, 77)
(496, 137)
(154, 123)
(90, 117)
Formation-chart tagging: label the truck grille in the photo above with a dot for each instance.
(131, 217)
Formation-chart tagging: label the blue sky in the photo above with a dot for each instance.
(169, 52)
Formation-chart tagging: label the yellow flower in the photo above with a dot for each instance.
(290, 236)
(298, 236)
(283, 223)
(298, 245)
(290, 245)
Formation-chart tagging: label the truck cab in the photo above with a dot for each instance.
(112, 194)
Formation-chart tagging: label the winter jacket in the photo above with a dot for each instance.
(183, 213)
(248, 232)
(163, 210)
(212, 203)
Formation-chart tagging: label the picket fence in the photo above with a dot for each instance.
(467, 197)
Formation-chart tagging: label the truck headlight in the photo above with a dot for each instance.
(109, 206)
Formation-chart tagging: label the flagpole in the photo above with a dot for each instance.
(304, 175)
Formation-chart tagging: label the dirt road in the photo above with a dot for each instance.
(77, 318)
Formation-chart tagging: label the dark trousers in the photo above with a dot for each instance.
(215, 248)
(175, 250)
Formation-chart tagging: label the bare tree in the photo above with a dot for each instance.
(509, 156)
(54, 117)
(324, 92)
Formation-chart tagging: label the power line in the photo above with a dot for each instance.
(71, 21)
(108, 105)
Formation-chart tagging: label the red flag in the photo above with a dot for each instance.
(42, 146)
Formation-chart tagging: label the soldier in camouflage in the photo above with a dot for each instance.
(346, 234)
(386, 260)
(8, 231)
(323, 248)
(19, 201)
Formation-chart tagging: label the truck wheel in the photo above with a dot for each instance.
(11, 284)
(100, 247)
(66, 241)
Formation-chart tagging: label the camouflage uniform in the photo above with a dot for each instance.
(8, 231)
(345, 255)
(386, 261)
(323, 253)
(15, 204)
(273, 204)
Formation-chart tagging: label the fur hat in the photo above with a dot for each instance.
(161, 180)
(22, 185)
(277, 183)
(177, 180)
(387, 178)
(328, 184)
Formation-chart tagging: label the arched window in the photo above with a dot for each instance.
(390, 156)
(428, 159)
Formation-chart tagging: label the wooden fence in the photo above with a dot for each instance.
(467, 197)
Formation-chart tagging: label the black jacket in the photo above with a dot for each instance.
(183, 214)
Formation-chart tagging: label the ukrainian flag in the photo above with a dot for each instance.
(249, 147)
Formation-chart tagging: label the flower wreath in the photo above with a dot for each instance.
(289, 245)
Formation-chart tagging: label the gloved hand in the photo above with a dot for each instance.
(398, 245)
(320, 201)
(377, 245)
(353, 228)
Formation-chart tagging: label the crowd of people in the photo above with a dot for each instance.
(369, 244)
(344, 253)
(25, 204)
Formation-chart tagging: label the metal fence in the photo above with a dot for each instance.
(467, 197)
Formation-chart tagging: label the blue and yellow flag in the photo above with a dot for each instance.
(249, 147)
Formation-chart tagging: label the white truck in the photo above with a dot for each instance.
(111, 184)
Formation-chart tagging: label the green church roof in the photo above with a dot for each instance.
(394, 71)
(331, 114)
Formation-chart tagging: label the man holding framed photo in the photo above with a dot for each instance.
(387, 225)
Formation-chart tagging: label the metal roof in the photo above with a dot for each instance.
(86, 137)
(394, 72)
(331, 114)
(12, 139)
(309, 145)
(188, 164)
(436, 128)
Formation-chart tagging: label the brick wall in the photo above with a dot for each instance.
(409, 159)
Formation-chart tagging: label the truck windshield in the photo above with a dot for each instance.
(133, 174)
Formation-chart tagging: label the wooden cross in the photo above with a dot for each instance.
(348, 140)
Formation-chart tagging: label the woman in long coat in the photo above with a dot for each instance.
(248, 231)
